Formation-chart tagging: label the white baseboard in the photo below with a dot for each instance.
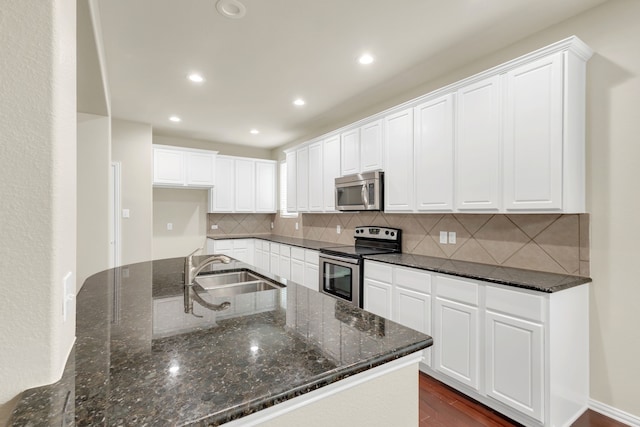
(616, 414)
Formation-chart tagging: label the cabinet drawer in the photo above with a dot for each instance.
(297, 253)
(274, 248)
(412, 279)
(258, 244)
(457, 290)
(378, 271)
(311, 256)
(517, 303)
(285, 250)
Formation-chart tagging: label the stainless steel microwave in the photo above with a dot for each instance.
(360, 192)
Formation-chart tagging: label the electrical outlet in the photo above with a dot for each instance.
(169, 226)
(214, 226)
(338, 229)
(272, 225)
(296, 225)
(452, 237)
(125, 213)
(443, 237)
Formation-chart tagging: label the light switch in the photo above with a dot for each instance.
(169, 226)
(296, 225)
(214, 226)
(338, 229)
(272, 225)
(452, 237)
(125, 213)
(443, 237)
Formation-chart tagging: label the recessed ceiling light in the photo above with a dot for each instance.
(299, 102)
(231, 9)
(196, 78)
(175, 119)
(254, 131)
(365, 59)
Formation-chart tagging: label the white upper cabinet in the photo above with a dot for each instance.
(331, 171)
(316, 193)
(302, 179)
(533, 135)
(292, 178)
(201, 168)
(183, 167)
(478, 146)
(433, 153)
(399, 161)
(266, 186)
(244, 185)
(350, 152)
(224, 192)
(371, 146)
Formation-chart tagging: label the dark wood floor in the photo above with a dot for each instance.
(440, 405)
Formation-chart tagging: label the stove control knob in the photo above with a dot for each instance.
(393, 234)
(386, 232)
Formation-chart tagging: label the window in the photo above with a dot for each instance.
(283, 193)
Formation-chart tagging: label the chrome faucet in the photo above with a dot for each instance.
(190, 273)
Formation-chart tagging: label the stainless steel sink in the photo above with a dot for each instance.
(234, 283)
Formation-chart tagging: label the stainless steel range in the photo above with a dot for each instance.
(341, 267)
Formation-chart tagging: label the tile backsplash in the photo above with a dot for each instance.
(544, 242)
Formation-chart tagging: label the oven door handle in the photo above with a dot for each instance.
(340, 259)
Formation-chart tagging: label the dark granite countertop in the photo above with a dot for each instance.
(140, 360)
(293, 241)
(520, 278)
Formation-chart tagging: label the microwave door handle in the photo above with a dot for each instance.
(365, 195)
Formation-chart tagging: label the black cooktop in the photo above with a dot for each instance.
(355, 251)
(369, 240)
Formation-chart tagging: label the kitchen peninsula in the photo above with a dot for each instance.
(274, 356)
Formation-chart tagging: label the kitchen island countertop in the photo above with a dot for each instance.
(139, 359)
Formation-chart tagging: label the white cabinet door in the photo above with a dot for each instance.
(297, 271)
(302, 179)
(433, 148)
(399, 162)
(316, 193)
(224, 191)
(350, 152)
(245, 186)
(371, 146)
(514, 363)
(413, 309)
(168, 166)
(292, 178)
(284, 269)
(266, 186)
(274, 260)
(478, 146)
(533, 135)
(331, 171)
(377, 297)
(200, 169)
(311, 269)
(456, 335)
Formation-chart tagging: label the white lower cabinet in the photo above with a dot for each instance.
(285, 262)
(523, 353)
(514, 350)
(240, 249)
(400, 294)
(311, 269)
(274, 258)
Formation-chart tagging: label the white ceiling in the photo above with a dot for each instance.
(283, 49)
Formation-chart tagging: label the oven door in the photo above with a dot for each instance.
(340, 277)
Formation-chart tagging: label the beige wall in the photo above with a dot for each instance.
(186, 210)
(131, 146)
(222, 148)
(38, 175)
(93, 224)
